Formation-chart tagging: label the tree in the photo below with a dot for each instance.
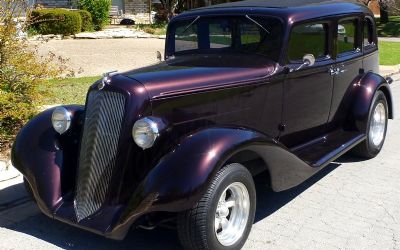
(22, 71)
(386, 7)
(171, 6)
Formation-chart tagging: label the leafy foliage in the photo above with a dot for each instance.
(87, 22)
(56, 21)
(22, 71)
(99, 9)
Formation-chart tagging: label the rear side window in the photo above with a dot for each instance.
(347, 36)
(368, 33)
(308, 39)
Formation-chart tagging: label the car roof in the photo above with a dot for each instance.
(290, 10)
(277, 4)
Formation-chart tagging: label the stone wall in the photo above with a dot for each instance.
(138, 9)
(55, 3)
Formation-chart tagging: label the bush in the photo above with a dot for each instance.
(87, 23)
(99, 9)
(56, 21)
(22, 71)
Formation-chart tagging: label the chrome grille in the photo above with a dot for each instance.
(101, 132)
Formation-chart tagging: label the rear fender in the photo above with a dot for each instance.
(366, 88)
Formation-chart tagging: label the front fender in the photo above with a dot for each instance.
(366, 88)
(183, 176)
(42, 155)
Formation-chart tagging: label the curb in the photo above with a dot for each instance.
(7, 171)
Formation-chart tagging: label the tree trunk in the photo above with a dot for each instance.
(384, 13)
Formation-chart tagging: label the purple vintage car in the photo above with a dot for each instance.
(273, 87)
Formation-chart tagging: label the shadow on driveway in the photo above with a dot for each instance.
(65, 236)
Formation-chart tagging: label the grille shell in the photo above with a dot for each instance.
(99, 145)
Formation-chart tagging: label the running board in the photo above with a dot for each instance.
(323, 150)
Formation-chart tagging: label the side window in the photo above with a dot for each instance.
(347, 36)
(368, 33)
(308, 39)
(220, 34)
(186, 37)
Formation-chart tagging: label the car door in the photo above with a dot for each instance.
(348, 66)
(307, 91)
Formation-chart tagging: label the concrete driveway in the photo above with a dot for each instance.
(94, 57)
(351, 204)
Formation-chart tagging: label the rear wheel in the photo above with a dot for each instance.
(223, 218)
(376, 129)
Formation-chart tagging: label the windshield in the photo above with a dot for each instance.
(244, 34)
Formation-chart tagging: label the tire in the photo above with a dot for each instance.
(196, 227)
(373, 144)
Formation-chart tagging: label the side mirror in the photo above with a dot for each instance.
(159, 56)
(308, 60)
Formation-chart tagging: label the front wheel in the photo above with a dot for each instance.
(376, 128)
(223, 218)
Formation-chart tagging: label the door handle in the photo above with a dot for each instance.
(334, 71)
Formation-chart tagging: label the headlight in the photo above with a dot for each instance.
(61, 119)
(145, 132)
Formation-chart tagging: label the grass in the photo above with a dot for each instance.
(66, 91)
(389, 53)
(154, 29)
(390, 29)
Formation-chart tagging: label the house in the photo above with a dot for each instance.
(135, 9)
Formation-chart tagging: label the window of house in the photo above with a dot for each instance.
(347, 36)
(308, 39)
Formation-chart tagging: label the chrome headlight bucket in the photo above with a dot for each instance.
(145, 132)
(61, 120)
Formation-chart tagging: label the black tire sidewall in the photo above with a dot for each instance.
(371, 148)
(231, 173)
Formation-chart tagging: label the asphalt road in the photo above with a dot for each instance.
(351, 204)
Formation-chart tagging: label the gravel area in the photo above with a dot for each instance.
(95, 57)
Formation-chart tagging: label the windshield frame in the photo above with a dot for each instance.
(170, 37)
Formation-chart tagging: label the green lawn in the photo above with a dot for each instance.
(390, 29)
(389, 53)
(66, 91)
(154, 29)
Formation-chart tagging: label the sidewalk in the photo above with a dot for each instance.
(389, 39)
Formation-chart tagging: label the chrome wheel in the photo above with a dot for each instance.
(378, 124)
(232, 214)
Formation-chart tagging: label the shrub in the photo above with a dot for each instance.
(56, 21)
(149, 30)
(87, 22)
(22, 71)
(99, 9)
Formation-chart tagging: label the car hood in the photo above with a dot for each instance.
(189, 73)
